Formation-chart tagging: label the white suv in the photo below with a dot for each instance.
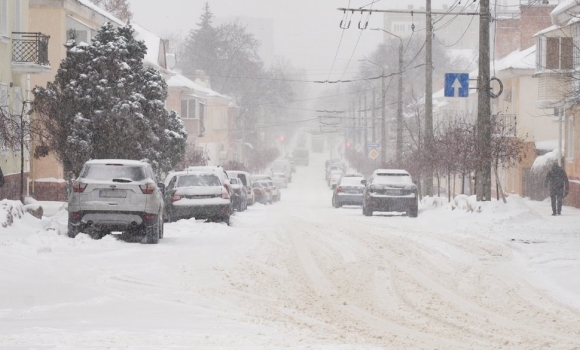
(116, 195)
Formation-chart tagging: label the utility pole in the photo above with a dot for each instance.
(373, 116)
(383, 123)
(399, 147)
(483, 171)
(366, 126)
(359, 121)
(400, 108)
(428, 180)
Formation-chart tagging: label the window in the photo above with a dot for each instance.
(557, 53)
(202, 117)
(188, 108)
(4, 18)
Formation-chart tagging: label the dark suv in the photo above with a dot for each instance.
(390, 190)
(116, 195)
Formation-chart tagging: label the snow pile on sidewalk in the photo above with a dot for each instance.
(10, 211)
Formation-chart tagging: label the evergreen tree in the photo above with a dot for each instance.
(105, 104)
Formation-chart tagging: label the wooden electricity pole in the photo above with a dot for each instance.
(483, 171)
(428, 179)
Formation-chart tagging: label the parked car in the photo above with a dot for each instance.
(216, 169)
(246, 181)
(273, 190)
(334, 179)
(262, 192)
(390, 190)
(335, 176)
(333, 168)
(116, 195)
(197, 194)
(280, 180)
(239, 197)
(349, 191)
(282, 166)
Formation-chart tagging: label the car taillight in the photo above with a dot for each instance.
(339, 189)
(267, 190)
(74, 215)
(79, 186)
(148, 188)
(150, 217)
(175, 198)
(249, 191)
(227, 186)
(225, 194)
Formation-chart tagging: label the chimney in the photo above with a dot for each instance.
(199, 77)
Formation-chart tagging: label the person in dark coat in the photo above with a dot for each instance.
(557, 180)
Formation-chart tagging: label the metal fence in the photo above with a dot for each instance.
(30, 48)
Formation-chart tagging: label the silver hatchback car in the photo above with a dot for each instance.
(116, 195)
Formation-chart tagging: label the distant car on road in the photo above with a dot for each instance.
(262, 192)
(280, 180)
(390, 190)
(239, 197)
(349, 191)
(244, 176)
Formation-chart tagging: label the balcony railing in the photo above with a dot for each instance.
(30, 48)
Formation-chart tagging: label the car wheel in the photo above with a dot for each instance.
(334, 204)
(161, 228)
(152, 234)
(226, 220)
(73, 230)
(413, 212)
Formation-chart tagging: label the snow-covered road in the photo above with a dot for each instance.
(300, 274)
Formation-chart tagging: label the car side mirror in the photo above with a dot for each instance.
(333, 186)
(363, 182)
(161, 186)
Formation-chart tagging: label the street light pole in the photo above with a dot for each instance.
(383, 116)
(399, 147)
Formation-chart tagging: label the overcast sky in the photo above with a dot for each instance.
(306, 32)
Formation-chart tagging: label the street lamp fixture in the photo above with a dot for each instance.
(399, 150)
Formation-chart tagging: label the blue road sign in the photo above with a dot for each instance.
(456, 84)
(373, 145)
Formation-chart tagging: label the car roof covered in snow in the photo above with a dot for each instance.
(117, 161)
(391, 171)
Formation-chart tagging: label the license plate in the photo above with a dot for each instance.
(113, 194)
(393, 192)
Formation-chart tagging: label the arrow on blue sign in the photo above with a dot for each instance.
(456, 84)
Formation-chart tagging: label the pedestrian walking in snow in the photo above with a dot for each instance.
(557, 180)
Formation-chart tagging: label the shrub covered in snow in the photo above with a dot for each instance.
(105, 104)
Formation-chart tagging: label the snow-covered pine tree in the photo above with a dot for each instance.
(105, 104)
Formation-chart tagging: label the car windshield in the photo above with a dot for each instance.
(105, 172)
(198, 180)
(351, 181)
(390, 178)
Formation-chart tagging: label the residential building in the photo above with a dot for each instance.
(24, 55)
(558, 63)
(208, 116)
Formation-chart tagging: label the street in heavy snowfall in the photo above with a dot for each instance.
(300, 273)
(268, 174)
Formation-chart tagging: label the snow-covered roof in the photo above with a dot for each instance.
(563, 12)
(101, 11)
(116, 161)
(525, 59)
(547, 30)
(179, 80)
(153, 43)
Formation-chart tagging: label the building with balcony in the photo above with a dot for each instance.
(24, 55)
(559, 89)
